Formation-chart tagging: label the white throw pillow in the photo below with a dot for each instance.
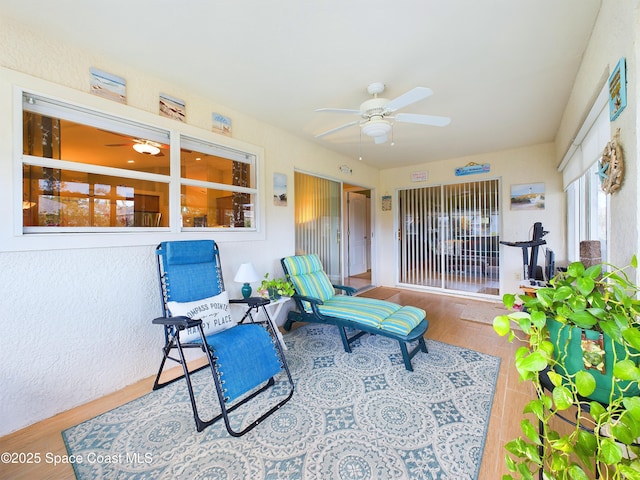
(213, 311)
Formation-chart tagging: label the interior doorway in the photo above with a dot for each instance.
(357, 245)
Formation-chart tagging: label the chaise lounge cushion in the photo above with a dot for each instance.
(375, 313)
(310, 280)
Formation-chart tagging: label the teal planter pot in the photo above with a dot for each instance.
(567, 341)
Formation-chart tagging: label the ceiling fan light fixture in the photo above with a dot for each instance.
(376, 128)
(146, 148)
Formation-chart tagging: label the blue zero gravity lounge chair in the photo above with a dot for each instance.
(316, 301)
(243, 358)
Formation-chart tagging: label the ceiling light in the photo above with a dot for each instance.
(376, 128)
(146, 148)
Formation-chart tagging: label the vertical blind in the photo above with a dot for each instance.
(317, 220)
(449, 235)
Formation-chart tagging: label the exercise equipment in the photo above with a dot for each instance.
(530, 259)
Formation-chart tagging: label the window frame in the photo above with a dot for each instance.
(14, 237)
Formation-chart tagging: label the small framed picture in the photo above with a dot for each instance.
(279, 189)
(172, 107)
(386, 203)
(617, 89)
(528, 196)
(108, 85)
(221, 124)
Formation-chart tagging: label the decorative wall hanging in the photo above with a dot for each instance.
(472, 168)
(617, 89)
(529, 196)
(611, 165)
(172, 107)
(279, 189)
(108, 85)
(221, 124)
(386, 203)
(419, 176)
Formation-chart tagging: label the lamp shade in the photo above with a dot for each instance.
(246, 274)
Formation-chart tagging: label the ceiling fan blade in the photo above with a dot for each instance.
(337, 129)
(339, 110)
(412, 96)
(432, 120)
(380, 139)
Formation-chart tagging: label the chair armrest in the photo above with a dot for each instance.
(312, 300)
(180, 322)
(348, 290)
(251, 301)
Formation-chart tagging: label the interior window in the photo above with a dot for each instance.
(87, 171)
(218, 186)
(84, 170)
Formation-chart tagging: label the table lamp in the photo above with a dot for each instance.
(246, 274)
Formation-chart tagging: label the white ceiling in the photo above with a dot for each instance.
(501, 69)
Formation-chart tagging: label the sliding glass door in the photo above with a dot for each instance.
(318, 220)
(449, 237)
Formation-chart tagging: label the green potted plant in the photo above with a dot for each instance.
(580, 339)
(274, 288)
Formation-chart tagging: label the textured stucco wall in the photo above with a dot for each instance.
(76, 326)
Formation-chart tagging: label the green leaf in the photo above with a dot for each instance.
(502, 325)
(593, 271)
(563, 444)
(509, 300)
(577, 303)
(632, 335)
(530, 431)
(538, 318)
(555, 378)
(585, 383)
(583, 319)
(536, 407)
(626, 370)
(515, 447)
(535, 362)
(610, 453)
(575, 269)
(562, 293)
(596, 410)
(562, 398)
(623, 430)
(585, 285)
(576, 473)
(632, 404)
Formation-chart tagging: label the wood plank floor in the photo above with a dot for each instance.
(443, 313)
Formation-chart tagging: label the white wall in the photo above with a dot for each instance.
(524, 165)
(76, 321)
(615, 35)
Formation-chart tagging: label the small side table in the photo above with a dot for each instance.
(271, 311)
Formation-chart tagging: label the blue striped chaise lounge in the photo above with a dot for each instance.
(317, 301)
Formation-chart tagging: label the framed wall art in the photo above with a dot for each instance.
(617, 89)
(528, 196)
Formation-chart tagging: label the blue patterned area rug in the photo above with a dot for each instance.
(353, 416)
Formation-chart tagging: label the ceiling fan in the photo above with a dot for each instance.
(377, 113)
(146, 147)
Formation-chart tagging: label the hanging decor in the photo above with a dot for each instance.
(611, 166)
(617, 90)
(472, 168)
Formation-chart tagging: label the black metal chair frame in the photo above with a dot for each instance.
(172, 328)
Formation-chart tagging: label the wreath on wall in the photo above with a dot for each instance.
(611, 165)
